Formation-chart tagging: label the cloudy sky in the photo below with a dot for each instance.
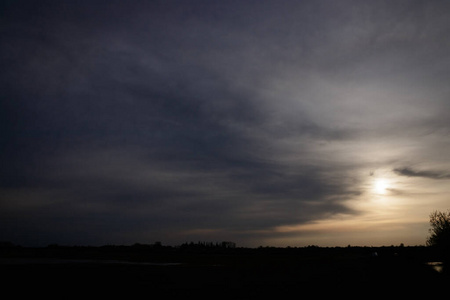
(260, 122)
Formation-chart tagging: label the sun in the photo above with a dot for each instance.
(380, 186)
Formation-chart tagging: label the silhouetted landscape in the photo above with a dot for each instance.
(215, 270)
(231, 124)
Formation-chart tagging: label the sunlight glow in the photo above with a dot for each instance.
(380, 186)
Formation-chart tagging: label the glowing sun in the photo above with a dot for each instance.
(380, 186)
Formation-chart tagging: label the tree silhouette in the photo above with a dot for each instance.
(440, 233)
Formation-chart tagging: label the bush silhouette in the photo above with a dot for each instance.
(440, 233)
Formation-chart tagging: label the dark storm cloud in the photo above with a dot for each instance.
(426, 174)
(172, 120)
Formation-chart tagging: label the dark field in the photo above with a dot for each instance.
(228, 273)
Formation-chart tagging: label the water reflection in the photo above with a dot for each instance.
(437, 266)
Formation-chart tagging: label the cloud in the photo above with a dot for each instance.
(433, 174)
(104, 193)
(163, 119)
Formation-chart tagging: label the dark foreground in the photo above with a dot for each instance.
(234, 274)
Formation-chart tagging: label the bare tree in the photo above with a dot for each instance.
(440, 232)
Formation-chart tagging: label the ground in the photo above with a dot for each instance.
(237, 274)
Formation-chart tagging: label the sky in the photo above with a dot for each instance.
(265, 123)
